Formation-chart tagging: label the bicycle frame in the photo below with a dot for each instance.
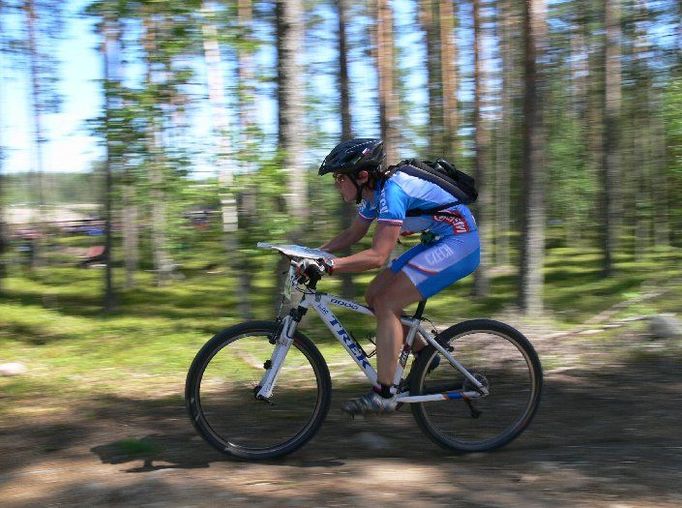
(320, 302)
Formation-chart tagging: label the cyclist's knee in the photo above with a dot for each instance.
(384, 305)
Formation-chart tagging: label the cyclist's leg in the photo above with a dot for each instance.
(389, 305)
(421, 272)
(396, 293)
(378, 286)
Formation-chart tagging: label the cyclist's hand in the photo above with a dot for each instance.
(314, 268)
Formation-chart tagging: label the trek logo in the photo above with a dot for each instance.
(341, 303)
(352, 345)
(403, 355)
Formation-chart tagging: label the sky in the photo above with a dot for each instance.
(71, 148)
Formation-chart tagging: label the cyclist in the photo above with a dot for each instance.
(448, 252)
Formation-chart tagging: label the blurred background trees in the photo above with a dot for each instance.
(568, 112)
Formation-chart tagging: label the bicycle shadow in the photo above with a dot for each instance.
(155, 451)
(180, 451)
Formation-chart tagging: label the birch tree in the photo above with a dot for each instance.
(224, 153)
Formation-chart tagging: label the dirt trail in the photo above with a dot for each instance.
(607, 434)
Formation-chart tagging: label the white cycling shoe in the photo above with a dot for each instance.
(370, 403)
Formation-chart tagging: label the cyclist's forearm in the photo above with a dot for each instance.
(364, 260)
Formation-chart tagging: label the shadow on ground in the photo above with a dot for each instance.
(601, 435)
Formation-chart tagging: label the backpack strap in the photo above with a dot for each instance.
(416, 212)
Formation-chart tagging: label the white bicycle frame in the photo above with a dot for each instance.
(320, 303)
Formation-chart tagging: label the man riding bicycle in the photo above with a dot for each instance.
(449, 251)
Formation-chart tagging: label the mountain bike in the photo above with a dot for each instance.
(261, 389)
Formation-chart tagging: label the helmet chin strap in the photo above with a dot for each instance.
(358, 188)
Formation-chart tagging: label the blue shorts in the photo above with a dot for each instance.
(434, 266)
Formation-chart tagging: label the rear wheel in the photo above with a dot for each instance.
(222, 384)
(501, 359)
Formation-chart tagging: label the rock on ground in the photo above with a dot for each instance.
(12, 369)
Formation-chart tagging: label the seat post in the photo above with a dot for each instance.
(420, 309)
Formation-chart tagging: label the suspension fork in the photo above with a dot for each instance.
(283, 341)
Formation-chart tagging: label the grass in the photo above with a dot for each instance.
(52, 321)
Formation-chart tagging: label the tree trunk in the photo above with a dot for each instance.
(533, 209)
(448, 46)
(224, 154)
(247, 203)
(290, 31)
(428, 13)
(3, 230)
(579, 89)
(247, 209)
(610, 161)
(38, 135)
(130, 231)
(481, 283)
(111, 54)
(163, 264)
(661, 184)
(503, 166)
(346, 212)
(388, 98)
(641, 185)
(247, 119)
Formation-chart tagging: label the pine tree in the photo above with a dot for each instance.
(42, 23)
(533, 207)
(290, 86)
(481, 283)
(385, 61)
(111, 56)
(346, 212)
(611, 160)
(450, 80)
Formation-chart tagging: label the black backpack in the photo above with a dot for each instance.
(445, 175)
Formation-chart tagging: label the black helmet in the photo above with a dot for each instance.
(352, 156)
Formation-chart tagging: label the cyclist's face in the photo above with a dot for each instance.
(345, 186)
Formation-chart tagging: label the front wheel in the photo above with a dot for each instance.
(223, 381)
(499, 357)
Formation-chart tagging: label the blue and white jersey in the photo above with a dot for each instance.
(403, 192)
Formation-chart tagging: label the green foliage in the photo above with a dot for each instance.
(51, 320)
(61, 188)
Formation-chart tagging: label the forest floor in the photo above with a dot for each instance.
(98, 419)
(607, 434)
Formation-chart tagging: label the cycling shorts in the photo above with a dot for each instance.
(434, 266)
